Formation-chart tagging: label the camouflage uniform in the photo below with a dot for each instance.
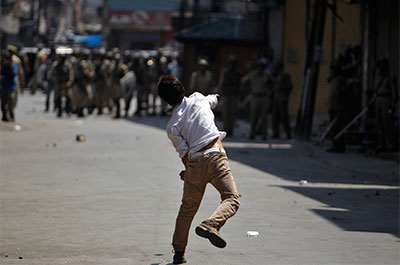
(82, 91)
(118, 70)
(63, 76)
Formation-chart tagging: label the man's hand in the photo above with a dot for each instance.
(182, 174)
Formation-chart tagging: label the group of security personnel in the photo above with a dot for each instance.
(345, 103)
(95, 81)
(262, 91)
(84, 79)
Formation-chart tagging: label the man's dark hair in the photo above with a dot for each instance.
(170, 89)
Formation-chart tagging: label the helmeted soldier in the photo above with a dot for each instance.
(102, 80)
(261, 87)
(152, 78)
(229, 85)
(63, 76)
(201, 80)
(21, 74)
(118, 70)
(142, 82)
(17, 60)
(83, 92)
(281, 92)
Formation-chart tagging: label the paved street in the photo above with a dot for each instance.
(113, 198)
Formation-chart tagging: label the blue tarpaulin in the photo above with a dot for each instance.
(89, 41)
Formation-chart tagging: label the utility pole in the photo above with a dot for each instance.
(333, 33)
(182, 11)
(365, 78)
(313, 58)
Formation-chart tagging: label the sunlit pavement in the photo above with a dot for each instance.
(113, 198)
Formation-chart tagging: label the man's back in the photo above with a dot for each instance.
(192, 125)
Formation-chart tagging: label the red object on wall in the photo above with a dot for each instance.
(140, 19)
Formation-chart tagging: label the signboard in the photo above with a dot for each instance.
(140, 19)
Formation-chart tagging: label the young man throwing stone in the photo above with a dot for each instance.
(197, 140)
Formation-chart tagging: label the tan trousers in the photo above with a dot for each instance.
(212, 169)
(259, 115)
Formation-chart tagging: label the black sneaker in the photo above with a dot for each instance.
(179, 257)
(207, 231)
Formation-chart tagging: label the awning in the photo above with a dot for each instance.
(225, 30)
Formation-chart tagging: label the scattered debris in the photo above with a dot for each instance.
(377, 193)
(303, 182)
(252, 234)
(80, 138)
(54, 145)
(17, 127)
(20, 257)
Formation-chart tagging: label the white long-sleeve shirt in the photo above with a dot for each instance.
(192, 125)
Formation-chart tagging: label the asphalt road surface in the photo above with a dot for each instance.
(113, 198)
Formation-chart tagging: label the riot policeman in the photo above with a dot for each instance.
(261, 87)
(63, 76)
(229, 85)
(118, 70)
